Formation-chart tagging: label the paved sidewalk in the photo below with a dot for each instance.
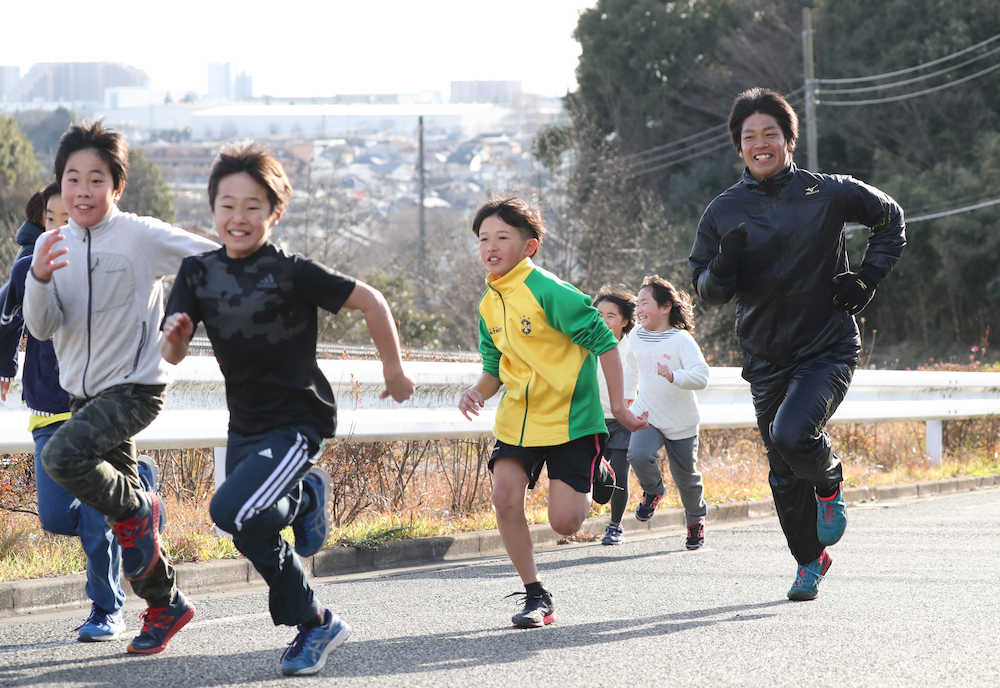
(45, 594)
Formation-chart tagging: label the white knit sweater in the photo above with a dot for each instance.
(672, 406)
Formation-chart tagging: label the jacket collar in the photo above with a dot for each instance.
(514, 276)
(771, 185)
(112, 214)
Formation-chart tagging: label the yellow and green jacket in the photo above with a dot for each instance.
(541, 337)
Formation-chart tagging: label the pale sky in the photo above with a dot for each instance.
(308, 47)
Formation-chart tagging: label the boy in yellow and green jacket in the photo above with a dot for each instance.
(540, 338)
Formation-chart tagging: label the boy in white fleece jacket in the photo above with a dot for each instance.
(95, 289)
(670, 367)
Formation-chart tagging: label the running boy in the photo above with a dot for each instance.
(538, 336)
(95, 290)
(259, 305)
(58, 511)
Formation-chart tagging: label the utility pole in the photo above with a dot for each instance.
(422, 267)
(810, 85)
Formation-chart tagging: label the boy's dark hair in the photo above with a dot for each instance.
(768, 102)
(625, 302)
(108, 143)
(53, 189)
(517, 213)
(663, 292)
(34, 209)
(256, 161)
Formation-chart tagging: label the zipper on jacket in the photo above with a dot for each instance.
(90, 303)
(510, 343)
(138, 352)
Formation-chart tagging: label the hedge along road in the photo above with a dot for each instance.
(911, 598)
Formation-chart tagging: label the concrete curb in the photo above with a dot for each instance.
(47, 594)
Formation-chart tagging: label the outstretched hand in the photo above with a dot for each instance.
(45, 260)
(398, 386)
(471, 402)
(178, 328)
(629, 420)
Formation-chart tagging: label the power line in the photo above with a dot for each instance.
(914, 94)
(935, 215)
(900, 72)
(904, 82)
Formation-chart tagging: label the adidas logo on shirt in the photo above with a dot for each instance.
(266, 453)
(267, 282)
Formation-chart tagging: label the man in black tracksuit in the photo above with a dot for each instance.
(775, 240)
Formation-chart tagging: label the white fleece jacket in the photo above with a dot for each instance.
(672, 406)
(105, 322)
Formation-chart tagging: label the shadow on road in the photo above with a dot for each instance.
(376, 658)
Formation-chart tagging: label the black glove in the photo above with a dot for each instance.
(853, 290)
(731, 248)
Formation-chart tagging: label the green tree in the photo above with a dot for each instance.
(417, 328)
(19, 178)
(656, 80)
(44, 128)
(147, 192)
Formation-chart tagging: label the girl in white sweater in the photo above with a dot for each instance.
(670, 367)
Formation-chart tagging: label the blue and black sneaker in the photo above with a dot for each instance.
(139, 537)
(308, 652)
(312, 526)
(101, 625)
(831, 518)
(807, 578)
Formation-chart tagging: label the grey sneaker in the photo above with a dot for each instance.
(613, 535)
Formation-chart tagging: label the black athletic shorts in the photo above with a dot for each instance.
(572, 462)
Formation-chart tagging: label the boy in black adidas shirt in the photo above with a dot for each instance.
(259, 305)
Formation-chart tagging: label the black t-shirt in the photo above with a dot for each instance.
(260, 315)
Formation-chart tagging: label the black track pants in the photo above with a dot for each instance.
(792, 410)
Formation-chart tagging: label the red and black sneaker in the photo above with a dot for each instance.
(159, 624)
(139, 537)
(537, 611)
(696, 535)
(647, 506)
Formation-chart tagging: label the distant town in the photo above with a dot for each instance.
(360, 147)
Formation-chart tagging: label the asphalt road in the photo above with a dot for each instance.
(912, 599)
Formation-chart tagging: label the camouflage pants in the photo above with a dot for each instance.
(92, 456)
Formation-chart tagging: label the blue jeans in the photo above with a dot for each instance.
(63, 514)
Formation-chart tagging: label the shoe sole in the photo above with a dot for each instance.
(86, 638)
(691, 548)
(181, 623)
(335, 642)
(546, 620)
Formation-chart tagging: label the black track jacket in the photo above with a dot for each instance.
(795, 245)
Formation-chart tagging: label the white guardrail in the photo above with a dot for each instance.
(195, 414)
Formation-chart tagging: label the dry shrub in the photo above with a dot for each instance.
(17, 483)
(463, 465)
(187, 475)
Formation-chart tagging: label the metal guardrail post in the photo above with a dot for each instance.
(934, 448)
